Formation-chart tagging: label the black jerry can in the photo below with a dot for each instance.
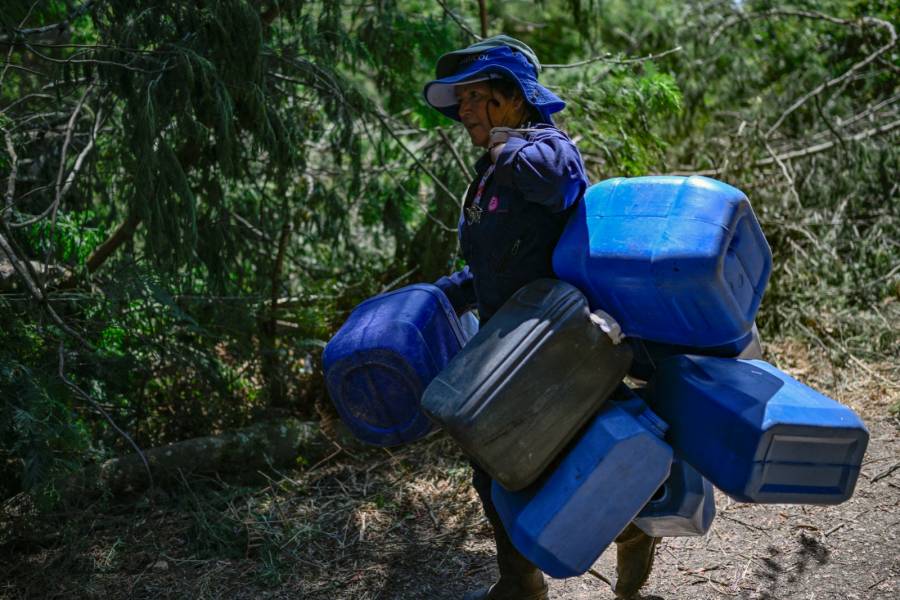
(527, 382)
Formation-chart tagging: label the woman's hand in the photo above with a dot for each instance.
(501, 135)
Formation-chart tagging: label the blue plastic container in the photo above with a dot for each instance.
(677, 260)
(756, 433)
(684, 505)
(564, 521)
(381, 360)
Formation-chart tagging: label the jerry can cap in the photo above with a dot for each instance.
(608, 325)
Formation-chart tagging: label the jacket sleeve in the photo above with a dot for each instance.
(546, 169)
(460, 290)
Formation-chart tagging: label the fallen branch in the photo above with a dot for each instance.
(241, 451)
(828, 145)
(886, 472)
(801, 153)
(841, 78)
(868, 111)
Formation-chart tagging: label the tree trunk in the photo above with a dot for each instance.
(122, 234)
(272, 368)
(482, 12)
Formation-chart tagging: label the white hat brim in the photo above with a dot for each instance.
(443, 94)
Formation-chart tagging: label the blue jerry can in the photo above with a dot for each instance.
(756, 433)
(565, 520)
(677, 260)
(684, 505)
(381, 360)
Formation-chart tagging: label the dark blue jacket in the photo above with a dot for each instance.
(521, 214)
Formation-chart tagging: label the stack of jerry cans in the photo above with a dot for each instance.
(527, 382)
(758, 434)
(680, 262)
(566, 519)
(380, 361)
(679, 265)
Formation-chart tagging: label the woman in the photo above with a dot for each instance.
(528, 180)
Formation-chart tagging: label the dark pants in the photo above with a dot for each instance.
(513, 566)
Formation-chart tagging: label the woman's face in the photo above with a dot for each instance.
(481, 108)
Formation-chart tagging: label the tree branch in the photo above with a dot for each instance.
(20, 269)
(459, 21)
(467, 173)
(828, 145)
(7, 64)
(79, 160)
(122, 234)
(13, 172)
(57, 27)
(94, 61)
(613, 61)
(70, 128)
(803, 152)
(792, 186)
(27, 273)
(382, 119)
(841, 78)
(60, 189)
(85, 396)
(818, 104)
(775, 12)
(869, 110)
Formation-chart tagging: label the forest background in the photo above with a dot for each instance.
(196, 194)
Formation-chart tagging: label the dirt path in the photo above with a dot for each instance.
(773, 552)
(380, 525)
(769, 552)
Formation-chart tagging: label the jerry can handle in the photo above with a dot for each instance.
(608, 325)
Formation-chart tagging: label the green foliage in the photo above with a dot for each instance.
(261, 167)
(41, 435)
(620, 115)
(73, 237)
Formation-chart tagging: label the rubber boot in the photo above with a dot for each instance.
(519, 579)
(635, 551)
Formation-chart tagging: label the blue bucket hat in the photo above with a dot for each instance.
(478, 63)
